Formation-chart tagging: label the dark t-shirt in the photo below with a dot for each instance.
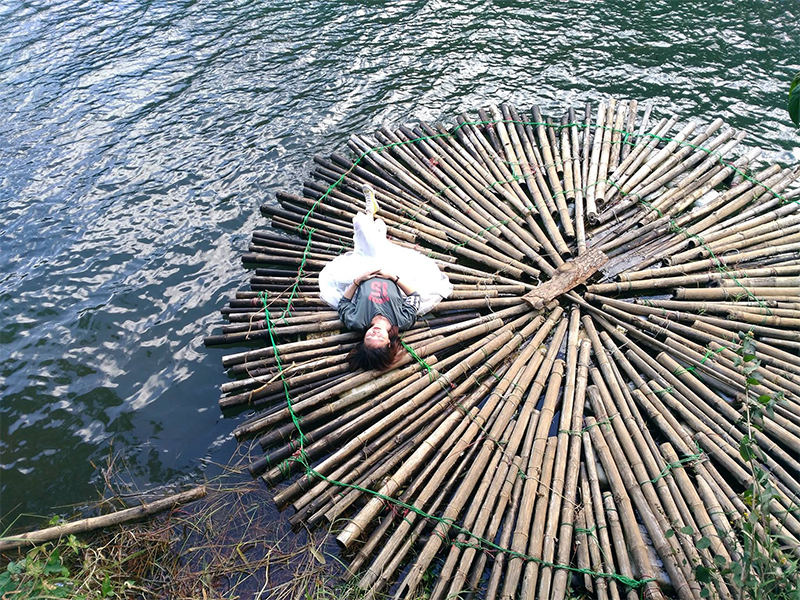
(378, 296)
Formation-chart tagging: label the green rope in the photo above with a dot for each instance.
(483, 543)
(298, 279)
(666, 390)
(500, 444)
(419, 359)
(588, 427)
(493, 184)
(677, 464)
(693, 369)
(479, 234)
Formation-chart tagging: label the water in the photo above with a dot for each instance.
(137, 140)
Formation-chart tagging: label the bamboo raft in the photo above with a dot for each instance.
(617, 366)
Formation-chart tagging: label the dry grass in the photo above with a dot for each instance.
(230, 544)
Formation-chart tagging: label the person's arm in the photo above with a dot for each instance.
(404, 287)
(407, 311)
(347, 311)
(351, 289)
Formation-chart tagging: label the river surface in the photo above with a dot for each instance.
(138, 138)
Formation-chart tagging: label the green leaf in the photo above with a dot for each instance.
(745, 450)
(705, 592)
(107, 591)
(669, 533)
(703, 543)
(6, 583)
(794, 101)
(703, 574)
(74, 543)
(720, 560)
(762, 477)
(687, 530)
(54, 565)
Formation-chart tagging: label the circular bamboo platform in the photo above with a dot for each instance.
(610, 399)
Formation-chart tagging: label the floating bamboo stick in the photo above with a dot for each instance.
(94, 523)
(630, 125)
(550, 164)
(594, 166)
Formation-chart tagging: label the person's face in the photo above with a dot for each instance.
(376, 337)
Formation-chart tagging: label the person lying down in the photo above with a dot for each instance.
(379, 288)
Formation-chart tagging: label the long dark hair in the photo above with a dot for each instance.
(378, 359)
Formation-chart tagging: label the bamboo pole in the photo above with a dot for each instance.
(413, 577)
(477, 523)
(550, 166)
(569, 502)
(505, 335)
(470, 190)
(534, 476)
(435, 469)
(500, 211)
(453, 577)
(631, 471)
(601, 527)
(567, 156)
(626, 515)
(536, 535)
(577, 178)
(479, 421)
(376, 578)
(672, 168)
(618, 538)
(605, 154)
(499, 170)
(392, 484)
(498, 567)
(615, 402)
(538, 188)
(630, 125)
(560, 466)
(600, 585)
(33, 538)
(390, 447)
(594, 166)
(616, 138)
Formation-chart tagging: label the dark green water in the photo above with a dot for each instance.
(137, 140)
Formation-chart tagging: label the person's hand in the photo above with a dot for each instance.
(364, 276)
(387, 275)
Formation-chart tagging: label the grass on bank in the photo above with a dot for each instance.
(227, 545)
